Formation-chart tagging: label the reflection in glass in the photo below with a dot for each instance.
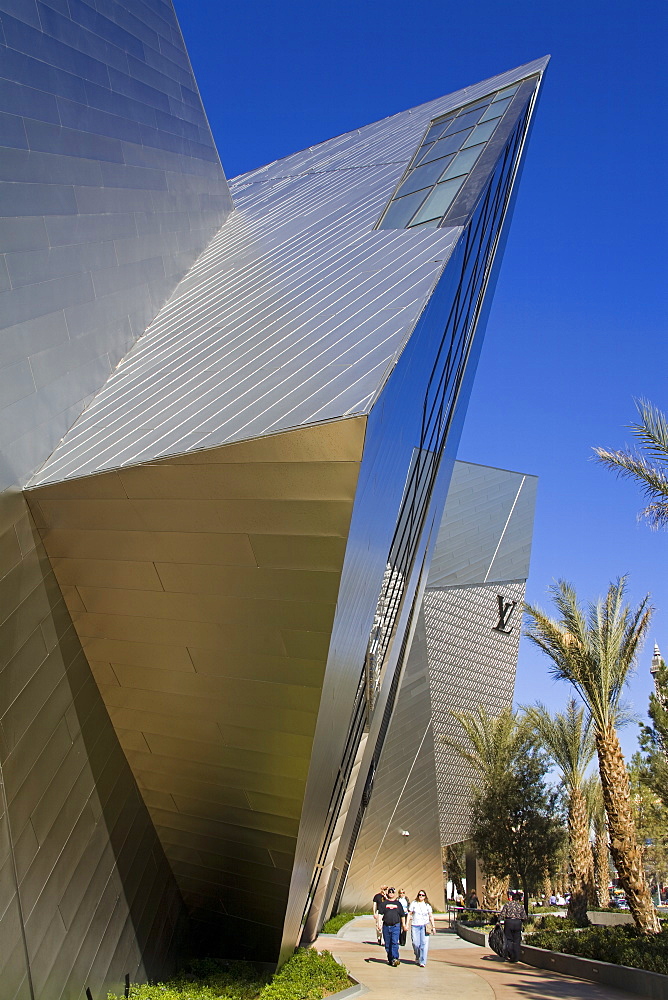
(437, 130)
(448, 144)
(424, 176)
(401, 210)
(507, 92)
(439, 200)
(464, 121)
(449, 151)
(481, 133)
(429, 224)
(495, 110)
(463, 162)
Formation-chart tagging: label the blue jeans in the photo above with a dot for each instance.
(420, 942)
(391, 939)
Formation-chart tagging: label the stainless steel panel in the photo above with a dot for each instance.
(404, 798)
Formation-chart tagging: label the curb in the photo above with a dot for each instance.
(624, 977)
(356, 989)
(639, 981)
(470, 934)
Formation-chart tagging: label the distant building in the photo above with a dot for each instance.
(229, 422)
(463, 656)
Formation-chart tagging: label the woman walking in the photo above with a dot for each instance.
(513, 913)
(421, 923)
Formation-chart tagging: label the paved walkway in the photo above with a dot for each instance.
(455, 969)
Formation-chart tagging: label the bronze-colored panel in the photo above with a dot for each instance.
(106, 487)
(199, 826)
(138, 653)
(252, 584)
(305, 644)
(144, 761)
(200, 696)
(149, 724)
(203, 590)
(205, 608)
(205, 548)
(243, 481)
(336, 441)
(121, 573)
(132, 740)
(261, 667)
(248, 760)
(279, 516)
(103, 673)
(225, 638)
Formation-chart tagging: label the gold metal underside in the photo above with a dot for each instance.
(203, 589)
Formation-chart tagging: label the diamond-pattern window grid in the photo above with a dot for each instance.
(445, 158)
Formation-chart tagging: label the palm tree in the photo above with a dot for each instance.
(491, 741)
(595, 650)
(569, 741)
(649, 465)
(594, 796)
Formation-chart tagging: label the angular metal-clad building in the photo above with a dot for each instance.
(463, 656)
(228, 428)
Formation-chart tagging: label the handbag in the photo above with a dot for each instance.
(496, 940)
(427, 929)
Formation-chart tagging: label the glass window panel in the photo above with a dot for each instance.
(439, 200)
(448, 144)
(506, 92)
(424, 176)
(402, 210)
(463, 162)
(429, 224)
(437, 130)
(495, 110)
(465, 121)
(482, 103)
(481, 133)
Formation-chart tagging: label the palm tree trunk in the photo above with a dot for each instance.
(578, 839)
(601, 868)
(626, 853)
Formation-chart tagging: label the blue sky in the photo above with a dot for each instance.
(578, 324)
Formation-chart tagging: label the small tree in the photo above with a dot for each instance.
(515, 826)
(455, 866)
(651, 816)
(653, 767)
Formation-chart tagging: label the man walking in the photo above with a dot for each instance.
(394, 921)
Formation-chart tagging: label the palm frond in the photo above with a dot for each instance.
(567, 737)
(652, 431)
(487, 742)
(594, 649)
(649, 465)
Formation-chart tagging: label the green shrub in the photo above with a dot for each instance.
(621, 945)
(334, 924)
(207, 979)
(551, 923)
(308, 975)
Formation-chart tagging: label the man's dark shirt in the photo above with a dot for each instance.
(392, 911)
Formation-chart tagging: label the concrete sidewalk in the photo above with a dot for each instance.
(455, 969)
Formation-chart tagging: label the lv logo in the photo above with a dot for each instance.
(506, 609)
